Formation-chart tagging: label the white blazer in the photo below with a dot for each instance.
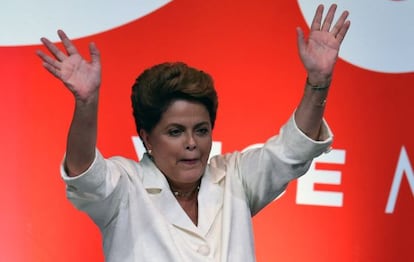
(140, 219)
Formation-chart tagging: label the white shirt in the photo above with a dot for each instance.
(141, 220)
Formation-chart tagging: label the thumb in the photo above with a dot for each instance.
(300, 39)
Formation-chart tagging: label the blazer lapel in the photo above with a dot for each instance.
(210, 198)
(160, 194)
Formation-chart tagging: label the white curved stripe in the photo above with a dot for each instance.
(25, 21)
(381, 37)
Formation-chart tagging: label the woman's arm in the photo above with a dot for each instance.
(319, 54)
(83, 79)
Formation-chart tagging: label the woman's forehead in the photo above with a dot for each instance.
(181, 111)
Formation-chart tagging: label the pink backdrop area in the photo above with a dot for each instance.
(250, 50)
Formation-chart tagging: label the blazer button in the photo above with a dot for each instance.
(204, 250)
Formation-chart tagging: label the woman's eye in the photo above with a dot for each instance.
(174, 132)
(203, 131)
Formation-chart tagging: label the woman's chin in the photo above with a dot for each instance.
(191, 176)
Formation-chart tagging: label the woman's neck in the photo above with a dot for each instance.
(185, 192)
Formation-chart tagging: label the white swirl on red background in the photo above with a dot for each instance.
(24, 21)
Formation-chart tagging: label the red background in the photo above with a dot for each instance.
(250, 50)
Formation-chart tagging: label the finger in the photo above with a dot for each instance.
(329, 18)
(344, 29)
(50, 64)
(317, 19)
(53, 70)
(47, 59)
(59, 55)
(69, 47)
(95, 54)
(340, 23)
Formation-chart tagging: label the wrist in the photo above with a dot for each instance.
(320, 86)
(87, 99)
(318, 80)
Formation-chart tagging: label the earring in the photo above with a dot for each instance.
(149, 151)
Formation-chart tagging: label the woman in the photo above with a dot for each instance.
(173, 205)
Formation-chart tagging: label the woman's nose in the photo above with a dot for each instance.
(190, 147)
(191, 143)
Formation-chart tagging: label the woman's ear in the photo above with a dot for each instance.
(145, 139)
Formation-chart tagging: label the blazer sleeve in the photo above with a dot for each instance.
(265, 172)
(102, 189)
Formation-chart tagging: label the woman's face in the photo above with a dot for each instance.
(181, 142)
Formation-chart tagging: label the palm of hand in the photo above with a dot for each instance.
(320, 53)
(81, 77)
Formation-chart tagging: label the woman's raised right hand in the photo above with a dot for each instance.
(81, 77)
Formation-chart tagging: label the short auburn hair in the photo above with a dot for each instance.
(157, 87)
